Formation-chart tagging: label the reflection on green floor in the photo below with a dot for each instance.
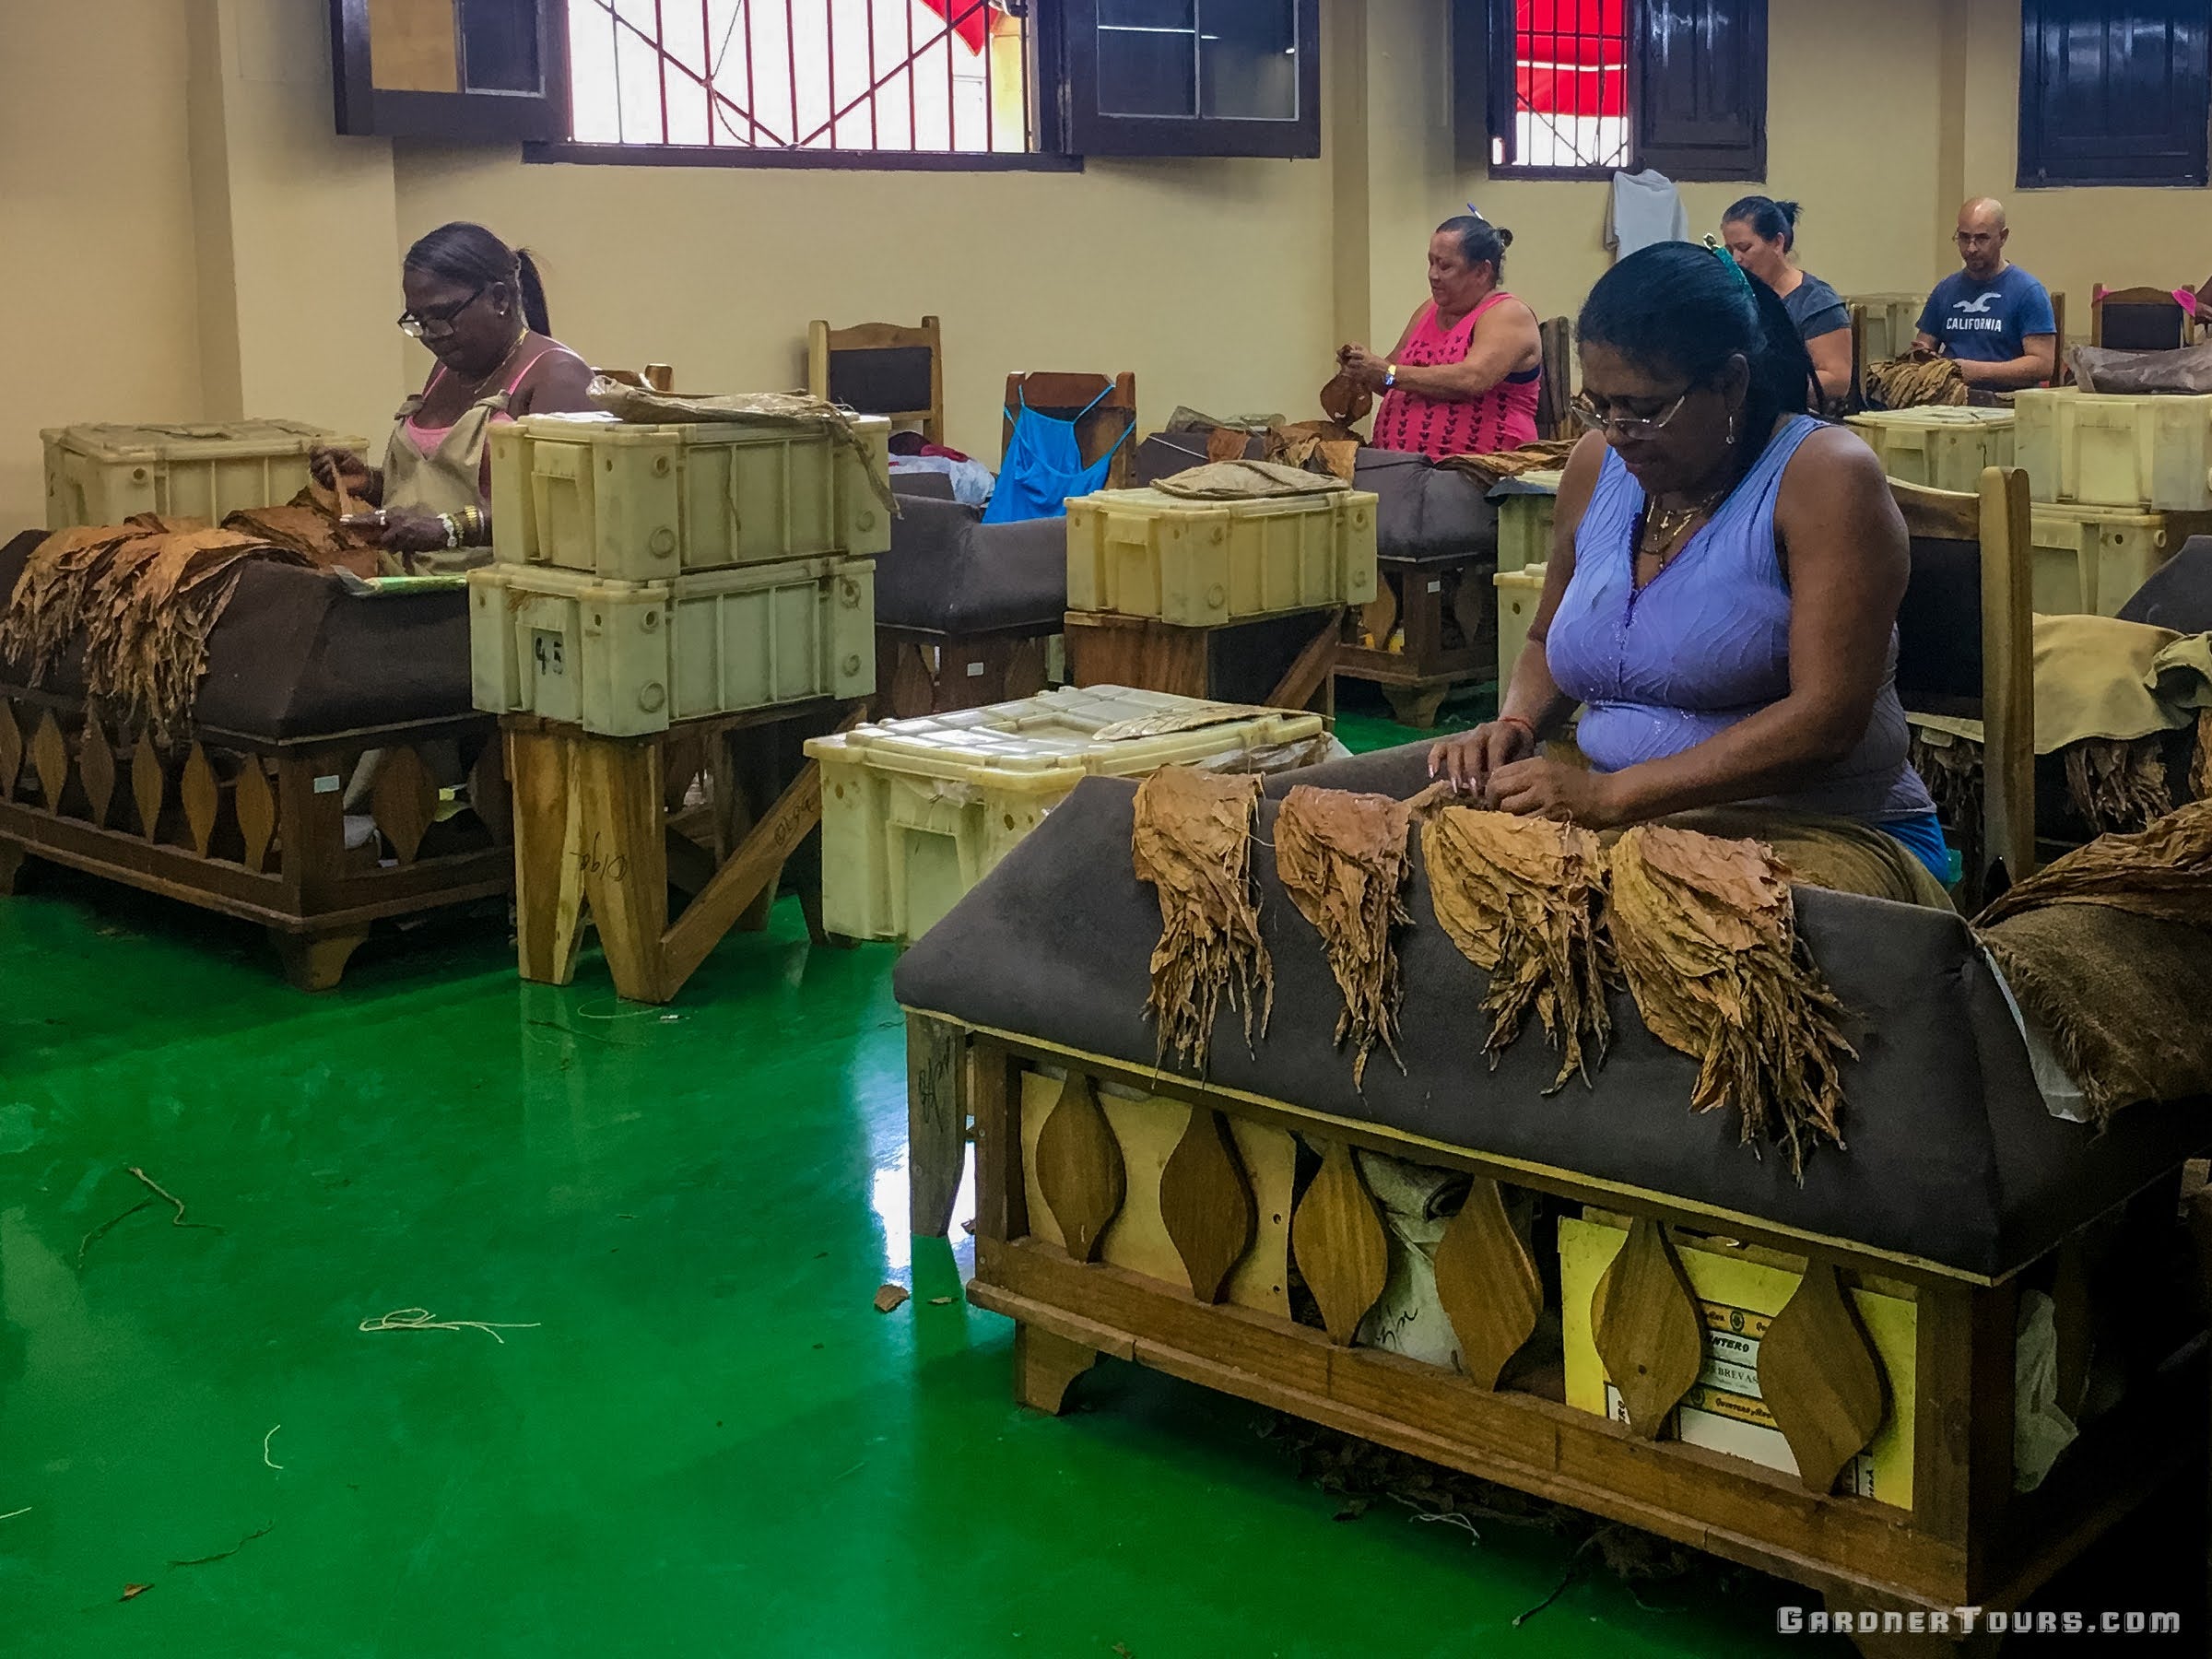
(703, 1440)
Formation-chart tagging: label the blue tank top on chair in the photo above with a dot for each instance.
(1045, 465)
(1706, 644)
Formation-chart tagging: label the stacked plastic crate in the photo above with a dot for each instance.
(1154, 578)
(651, 574)
(2119, 482)
(103, 475)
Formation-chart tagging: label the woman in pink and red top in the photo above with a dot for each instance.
(478, 306)
(1465, 374)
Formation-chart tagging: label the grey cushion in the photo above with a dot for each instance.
(950, 572)
(1952, 1156)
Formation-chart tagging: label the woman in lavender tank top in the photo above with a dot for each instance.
(1722, 591)
(1466, 376)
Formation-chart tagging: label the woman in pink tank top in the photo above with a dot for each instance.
(480, 309)
(1467, 373)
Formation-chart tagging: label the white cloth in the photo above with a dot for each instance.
(972, 482)
(1643, 210)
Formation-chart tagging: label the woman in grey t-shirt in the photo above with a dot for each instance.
(1761, 232)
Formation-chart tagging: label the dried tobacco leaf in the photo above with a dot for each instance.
(1341, 858)
(1706, 934)
(2119, 786)
(1524, 900)
(1193, 842)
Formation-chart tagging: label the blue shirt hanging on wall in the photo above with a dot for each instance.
(1987, 321)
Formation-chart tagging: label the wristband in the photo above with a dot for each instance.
(1526, 725)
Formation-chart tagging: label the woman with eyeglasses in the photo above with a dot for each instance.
(1721, 599)
(479, 307)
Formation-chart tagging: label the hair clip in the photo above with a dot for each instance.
(1714, 247)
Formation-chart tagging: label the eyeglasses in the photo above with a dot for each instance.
(1628, 427)
(415, 323)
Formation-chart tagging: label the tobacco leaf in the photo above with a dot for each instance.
(1524, 900)
(1193, 842)
(1706, 934)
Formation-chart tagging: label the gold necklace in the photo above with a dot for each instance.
(1664, 527)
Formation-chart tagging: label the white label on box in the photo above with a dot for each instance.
(545, 650)
(975, 671)
(1437, 586)
(328, 785)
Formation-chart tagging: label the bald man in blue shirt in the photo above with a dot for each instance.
(1991, 316)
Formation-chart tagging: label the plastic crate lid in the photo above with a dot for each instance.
(1156, 504)
(212, 440)
(1936, 415)
(1069, 731)
(598, 426)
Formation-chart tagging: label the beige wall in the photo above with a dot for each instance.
(97, 285)
(2071, 238)
(205, 246)
(1210, 280)
(1864, 169)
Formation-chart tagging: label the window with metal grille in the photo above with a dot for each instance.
(1581, 88)
(1570, 86)
(943, 77)
(877, 83)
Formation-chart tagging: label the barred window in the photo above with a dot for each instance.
(943, 76)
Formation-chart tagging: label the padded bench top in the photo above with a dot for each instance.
(295, 656)
(1951, 1156)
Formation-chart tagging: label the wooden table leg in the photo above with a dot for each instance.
(316, 961)
(623, 855)
(1312, 671)
(549, 874)
(936, 1121)
(11, 863)
(758, 859)
(1044, 1366)
(1415, 706)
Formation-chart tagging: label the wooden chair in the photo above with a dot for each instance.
(2062, 372)
(1555, 418)
(1110, 424)
(2136, 319)
(881, 369)
(1965, 651)
(654, 377)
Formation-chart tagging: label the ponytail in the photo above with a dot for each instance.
(1680, 309)
(469, 253)
(532, 289)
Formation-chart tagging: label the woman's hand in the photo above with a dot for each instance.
(330, 468)
(402, 529)
(1364, 366)
(1470, 759)
(1540, 787)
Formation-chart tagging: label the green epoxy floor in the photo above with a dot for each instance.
(711, 1443)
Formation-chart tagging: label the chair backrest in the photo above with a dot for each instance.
(2136, 319)
(654, 377)
(2062, 372)
(1966, 645)
(1554, 417)
(1107, 426)
(881, 369)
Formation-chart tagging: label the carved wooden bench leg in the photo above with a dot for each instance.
(1415, 706)
(1043, 1367)
(11, 863)
(316, 961)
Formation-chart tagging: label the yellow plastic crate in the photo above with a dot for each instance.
(644, 503)
(1518, 595)
(629, 658)
(2110, 450)
(2091, 560)
(1892, 322)
(1200, 564)
(103, 475)
(916, 812)
(1942, 448)
(1524, 519)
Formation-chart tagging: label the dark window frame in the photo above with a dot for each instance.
(1485, 58)
(1082, 129)
(2053, 159)
(1062, 56)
